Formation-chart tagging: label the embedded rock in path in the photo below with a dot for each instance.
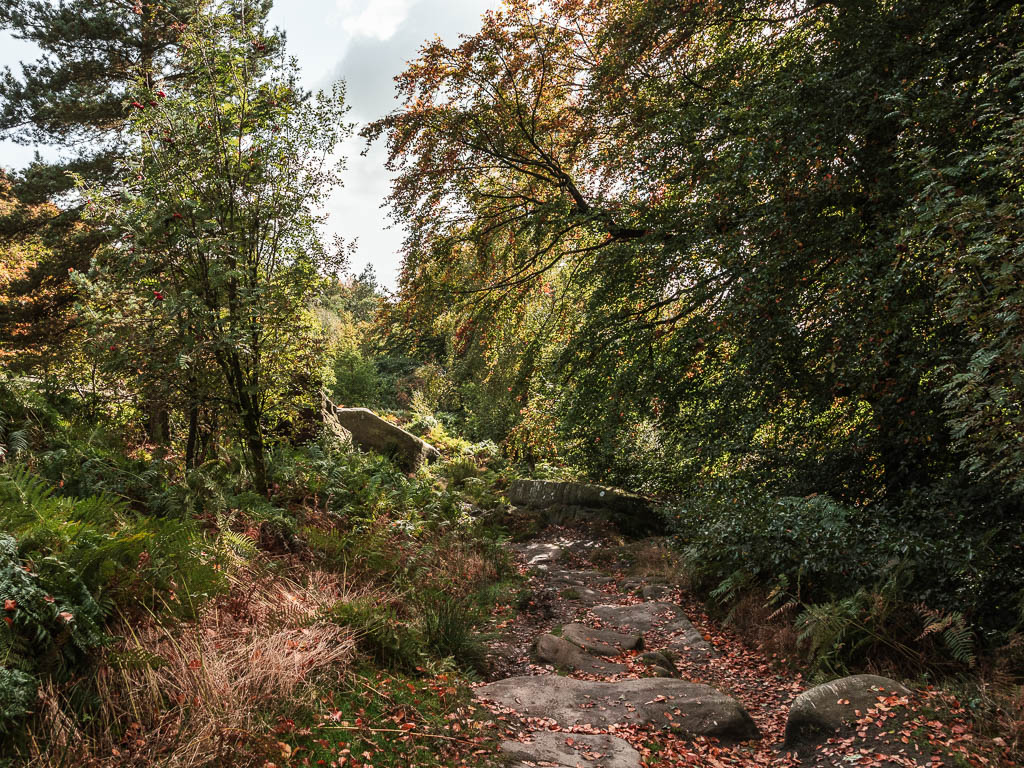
(578, 578)
(654, 591)
(603, 642)
(372, 432)
(687, 708)
(818, 712)
(573, 749)
(562, 653)
(541, 554)
(688, 641)
(660, 664)
(643, 617)
(665, 617)
(583, 594)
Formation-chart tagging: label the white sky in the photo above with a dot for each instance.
(366, 43)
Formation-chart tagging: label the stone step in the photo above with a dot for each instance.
(687, 708)
(664, 617)
(541, 554)
(603, 642)
(566, 656)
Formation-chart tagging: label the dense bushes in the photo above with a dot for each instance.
(888, 573)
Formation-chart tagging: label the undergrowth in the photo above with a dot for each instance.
(158, 617)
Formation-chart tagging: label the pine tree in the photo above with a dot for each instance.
(72, 98)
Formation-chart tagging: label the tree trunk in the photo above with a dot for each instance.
(257, 452)
(193, 438)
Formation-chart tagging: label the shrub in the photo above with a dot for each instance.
(862, 577)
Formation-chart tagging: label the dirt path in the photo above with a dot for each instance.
(606, 667)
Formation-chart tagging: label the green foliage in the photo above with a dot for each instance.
(450, 629)
(68, 564)
(71, 97)
(741, 261)
(382, 634)
(765, 259)
(206, 291)
(361, 488)
(356, 380)
(17, 695)
(864, 578)
(392, 719)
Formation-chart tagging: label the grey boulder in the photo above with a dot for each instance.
(687, 708)
(819, 712)
(371, 432)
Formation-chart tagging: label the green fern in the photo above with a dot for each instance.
(957, 636)
(731, 586)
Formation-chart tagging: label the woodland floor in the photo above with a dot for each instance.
(570, 572)
(571, 576)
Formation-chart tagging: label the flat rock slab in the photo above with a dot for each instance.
(665, 617)
(643, 617)
(583, 594)
(563, 654)
(579, 577)
(542, 555)
(632, 513)
(687, 708)
(603, 642)
(819, 712)
(573, 749)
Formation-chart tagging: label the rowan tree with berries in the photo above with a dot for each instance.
(215, 258)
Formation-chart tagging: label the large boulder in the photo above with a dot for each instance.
(631, 513)
(372, 432)
(569, 750)
(819, 712)
(687, 708)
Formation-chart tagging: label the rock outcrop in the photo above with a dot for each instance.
(631, 513)
(372, 432)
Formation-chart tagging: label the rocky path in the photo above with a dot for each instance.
(599, 667)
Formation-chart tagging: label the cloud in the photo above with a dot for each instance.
(379, 19)
(368, 63)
